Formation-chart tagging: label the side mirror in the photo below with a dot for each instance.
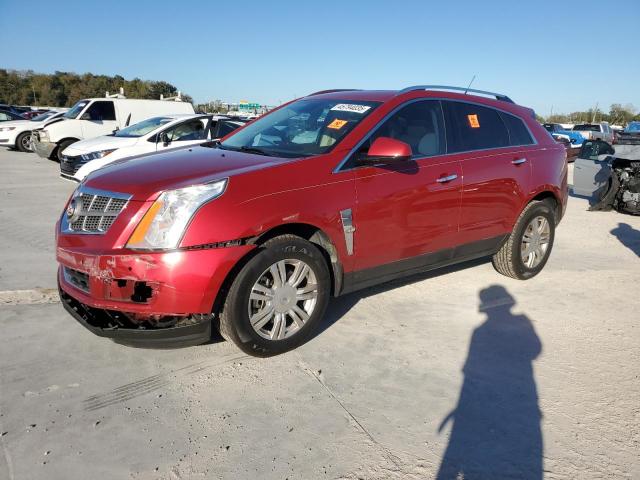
(385, 150)
(164, 139)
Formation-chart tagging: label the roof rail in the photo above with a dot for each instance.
(497, 96)
(333, 91)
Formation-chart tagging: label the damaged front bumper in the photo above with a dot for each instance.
(43, 148)
(104, 323)
(146, 299)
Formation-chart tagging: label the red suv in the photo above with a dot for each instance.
(325, 195)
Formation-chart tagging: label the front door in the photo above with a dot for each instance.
(408, 209)
(98, 119)
(189, 132)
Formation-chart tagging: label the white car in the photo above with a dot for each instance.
(155, 134)
(17, 133)
(93, 117)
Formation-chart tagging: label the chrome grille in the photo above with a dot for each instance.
(95, 211)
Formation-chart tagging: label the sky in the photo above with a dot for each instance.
(559, 55)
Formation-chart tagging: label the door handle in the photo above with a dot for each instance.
(447, 179)
(519, 161)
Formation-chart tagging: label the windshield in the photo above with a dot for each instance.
(42, 116)
(303, 128)
(633, 127)
(76, 109)
(142, 128)
(587, 128)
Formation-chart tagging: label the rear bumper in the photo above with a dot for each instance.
(43, 149)
(98, 322)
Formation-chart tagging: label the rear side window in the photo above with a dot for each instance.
(473, 127)
(224, 128)
(518, 133)
(100, 111)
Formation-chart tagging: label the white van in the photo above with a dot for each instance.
(93, 117)
(156, 134)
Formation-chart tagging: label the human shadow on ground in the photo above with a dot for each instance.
(495, 429)
(628, 236)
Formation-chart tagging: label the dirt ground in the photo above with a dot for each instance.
(458, 371)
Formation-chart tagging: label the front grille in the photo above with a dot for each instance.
(69, 165)
(94, 212)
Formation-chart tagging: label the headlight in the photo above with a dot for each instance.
(164, 223)
(95, 155)
(7, 129)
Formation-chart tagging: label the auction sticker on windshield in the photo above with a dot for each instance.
(349, 107)
(337, 124)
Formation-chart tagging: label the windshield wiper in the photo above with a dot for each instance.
(246, 149)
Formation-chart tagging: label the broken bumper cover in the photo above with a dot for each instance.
(43, 148)
(145, 287)
(97, 322)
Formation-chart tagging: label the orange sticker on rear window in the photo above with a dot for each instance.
(337, 124)
(473, 121)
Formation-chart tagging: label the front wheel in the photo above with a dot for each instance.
(527, 249)
(23, 142)
(278, 298)
(57, 155)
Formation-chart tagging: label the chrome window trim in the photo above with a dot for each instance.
(339, 168)
(64, 224)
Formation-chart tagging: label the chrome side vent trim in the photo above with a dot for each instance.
(347, 227)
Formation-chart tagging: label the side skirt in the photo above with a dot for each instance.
(360, 279)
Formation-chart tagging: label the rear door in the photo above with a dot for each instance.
(495, 151)
(98, 119)
(408, 209)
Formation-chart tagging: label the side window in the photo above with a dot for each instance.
(473, 127)
(190, 130)
(224, 128)
(4, 116)
(418, 124)
(100, 111)
(518, 133)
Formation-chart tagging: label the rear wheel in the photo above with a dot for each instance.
(278, 298)
(23, 142)
(527, 249)
(57, 155)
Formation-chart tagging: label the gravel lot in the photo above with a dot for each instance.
(464, 370)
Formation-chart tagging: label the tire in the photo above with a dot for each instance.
(246, 297)
(57, 153)
(509, 259)
(23, 142)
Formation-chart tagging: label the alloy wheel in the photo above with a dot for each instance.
(283, 299)
(535, 241)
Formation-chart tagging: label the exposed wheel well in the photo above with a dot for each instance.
(303, 230)
(317, 237)
(552, 200)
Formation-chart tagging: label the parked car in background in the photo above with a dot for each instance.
(156, 134)
(7, 115)
(595, 131)
(17, 133)
(571, 140)
(328, 194)
(630, 135)
(94, 117)
(33, 113)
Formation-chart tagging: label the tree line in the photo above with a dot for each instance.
(63, 89)
(618, 115)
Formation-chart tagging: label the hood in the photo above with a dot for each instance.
(100, 143)
(18, 123)
(148, 175)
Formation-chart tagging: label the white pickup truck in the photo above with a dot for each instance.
(595, 131)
